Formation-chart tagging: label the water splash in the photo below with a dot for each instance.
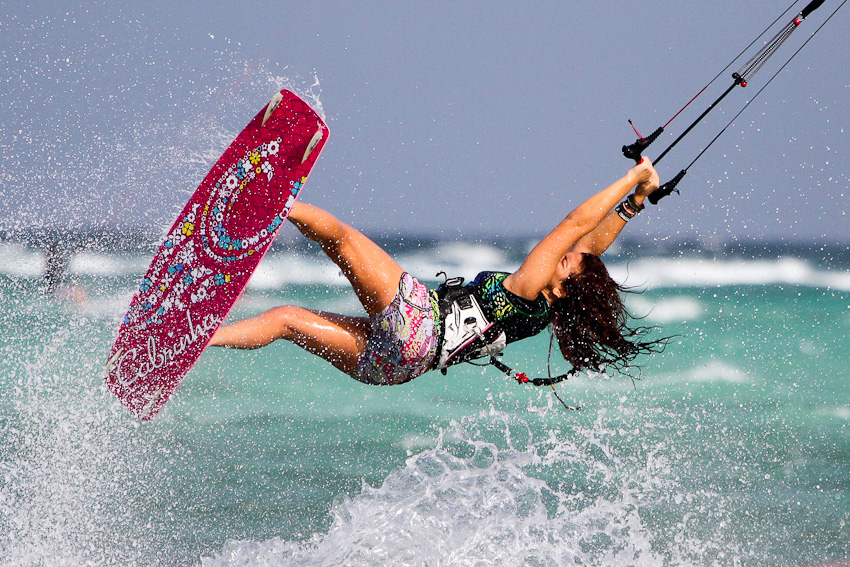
(489, 494)
(118, 133)
(69, 493)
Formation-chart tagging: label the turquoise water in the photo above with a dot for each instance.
(732, 447)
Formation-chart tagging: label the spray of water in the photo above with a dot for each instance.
(489, 493)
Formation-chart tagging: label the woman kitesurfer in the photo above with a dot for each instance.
(410, 330)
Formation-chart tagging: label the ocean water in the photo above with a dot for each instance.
(731, 448)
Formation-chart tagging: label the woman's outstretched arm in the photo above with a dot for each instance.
(538, 269)
(600, 238)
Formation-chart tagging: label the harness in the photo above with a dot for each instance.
(465, 331)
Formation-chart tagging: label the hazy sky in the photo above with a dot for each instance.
(445, 117)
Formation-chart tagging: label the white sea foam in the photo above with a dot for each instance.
(456, 258)
(701, 272)
(668, 310)
(717, 371)
(19, 261)
(476, 499)
(282, 269)
(841, 412)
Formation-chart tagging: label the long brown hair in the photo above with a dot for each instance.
(591, 322)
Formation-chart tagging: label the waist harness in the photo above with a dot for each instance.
(479, 319)
(466, 333)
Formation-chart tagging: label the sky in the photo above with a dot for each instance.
(446, 118)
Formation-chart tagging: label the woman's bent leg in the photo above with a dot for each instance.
(373, 274)
(339, 339)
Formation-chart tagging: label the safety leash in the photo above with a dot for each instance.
(522, 378)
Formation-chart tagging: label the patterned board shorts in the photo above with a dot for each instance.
(402, 339)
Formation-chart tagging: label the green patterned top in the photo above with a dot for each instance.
(519, 318)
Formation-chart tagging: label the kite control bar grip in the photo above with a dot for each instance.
(811, 7)
(667, 188)
(635, 150)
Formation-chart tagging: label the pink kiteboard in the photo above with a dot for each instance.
(211, 251)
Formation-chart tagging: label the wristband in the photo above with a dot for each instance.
(629, 209)
(624, 213)
(633, 204)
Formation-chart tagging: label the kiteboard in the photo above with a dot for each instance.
(213, 247)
